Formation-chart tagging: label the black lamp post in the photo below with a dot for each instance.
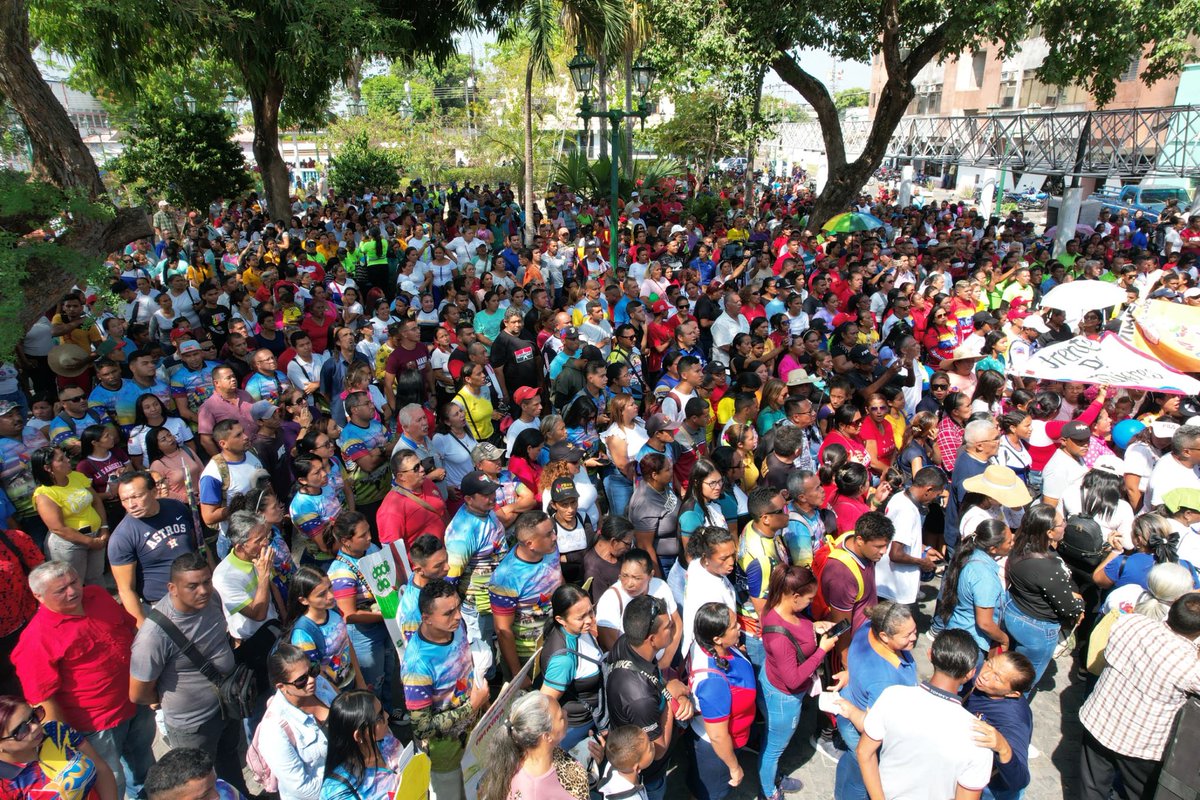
(583, 71)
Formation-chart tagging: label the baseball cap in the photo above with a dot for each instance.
(566, 450)
(861, 354)
(982, 318)
(562, 490)
(570, 332)
(1110, 463)
(1035, 323)
(659, 423)
(1192, 292)
(524, 393)
(7, 407)
(486, 451)
(1163, 429)
(478, 482)
(189, 346)
(1076, 431)
(659, 306)
(263, 409)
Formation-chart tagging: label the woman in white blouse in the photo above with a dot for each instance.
(290, 740)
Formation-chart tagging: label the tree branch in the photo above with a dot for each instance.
(925, 51)
(818, 97)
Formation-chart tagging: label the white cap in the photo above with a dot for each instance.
(1192, 292)
(1163, 429)
(678, 229)
(633, 194)
(1035, 322)
(1110, 463)
(1193, 421)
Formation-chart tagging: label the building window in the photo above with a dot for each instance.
(978, 68)
(1131, 72)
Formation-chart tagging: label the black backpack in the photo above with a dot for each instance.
(1083, 548)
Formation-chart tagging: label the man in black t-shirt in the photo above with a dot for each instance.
(515, 359)
(637, 693)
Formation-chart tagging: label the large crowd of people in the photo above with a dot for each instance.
(705, 488)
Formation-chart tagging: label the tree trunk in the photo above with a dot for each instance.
(527, 189)
(59, 158)
(264, 101)
(751, 147)
(354, 77)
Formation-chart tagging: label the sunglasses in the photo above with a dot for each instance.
(75, 399)
(302, 681)
(940, 387)
(25, 729)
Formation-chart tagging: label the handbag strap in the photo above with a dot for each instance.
(206, 667)
(785, 632)
(400, 490)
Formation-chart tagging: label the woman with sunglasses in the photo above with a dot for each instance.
(291, 736)
(48, 759)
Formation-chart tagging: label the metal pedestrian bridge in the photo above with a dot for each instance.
(1124, 143)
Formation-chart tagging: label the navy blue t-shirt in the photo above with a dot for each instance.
(152, 543)
(1014, 719)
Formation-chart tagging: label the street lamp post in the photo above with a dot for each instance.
(583, 71)
(230, 104)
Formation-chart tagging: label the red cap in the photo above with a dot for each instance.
(524, 393)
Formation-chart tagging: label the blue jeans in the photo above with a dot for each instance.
(1034, 638)
(480, 627)
(657, 788)
(376, 658)
(618, 489)
(127, 749)
(848, 784)
(783, 715)
(1001, 794)
(707, 775)
(574, 736)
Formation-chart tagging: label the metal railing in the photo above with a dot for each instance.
(1126, 143)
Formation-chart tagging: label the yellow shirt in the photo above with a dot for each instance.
(898, 426)
(328, 251)
(479, 414)
(251, 280)
(85, 335)
(750, 475)
(75, 500)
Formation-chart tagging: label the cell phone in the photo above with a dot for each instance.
(839, 629)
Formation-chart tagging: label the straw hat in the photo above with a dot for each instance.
(68, 360)
(961, 353)
(1001, 484)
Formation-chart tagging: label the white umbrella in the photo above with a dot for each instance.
(1077, 297)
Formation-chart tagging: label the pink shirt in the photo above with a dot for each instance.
(544, 787)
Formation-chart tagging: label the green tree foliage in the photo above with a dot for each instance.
(33, 215)
(358, 167)
(905, 36)
(701, 132)
(776, 109)
(386, 93)
(189, 158)
(850, 98)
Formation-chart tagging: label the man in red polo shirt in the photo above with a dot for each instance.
(73, 660)
(413, 506)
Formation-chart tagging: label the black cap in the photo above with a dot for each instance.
(861, 354)
(984, 318)
(478, 482)
(565, 450)
(562, 490)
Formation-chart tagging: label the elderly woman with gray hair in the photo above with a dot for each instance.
(526, 760)
(1165, 583)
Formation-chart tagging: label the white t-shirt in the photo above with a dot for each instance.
(901, 582)
(1140, 460)
(635, 438)
(1060, 472)
(137, 436)
(610, 609)
(463, 250)
(1169, 474)
(236, 587)
(702, 587)
(514, 431)
(723, 331)
(914, 723)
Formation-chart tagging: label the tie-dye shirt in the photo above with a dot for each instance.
(121, 403)
(408, 614)
(267, 387)
(355, 442)
(474, 546)
(195, 386)
(522, 590)
(314, 514)
(348, 580)
(437, 679)
(327, 644)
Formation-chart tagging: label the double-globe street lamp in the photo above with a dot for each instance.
(583, 71)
